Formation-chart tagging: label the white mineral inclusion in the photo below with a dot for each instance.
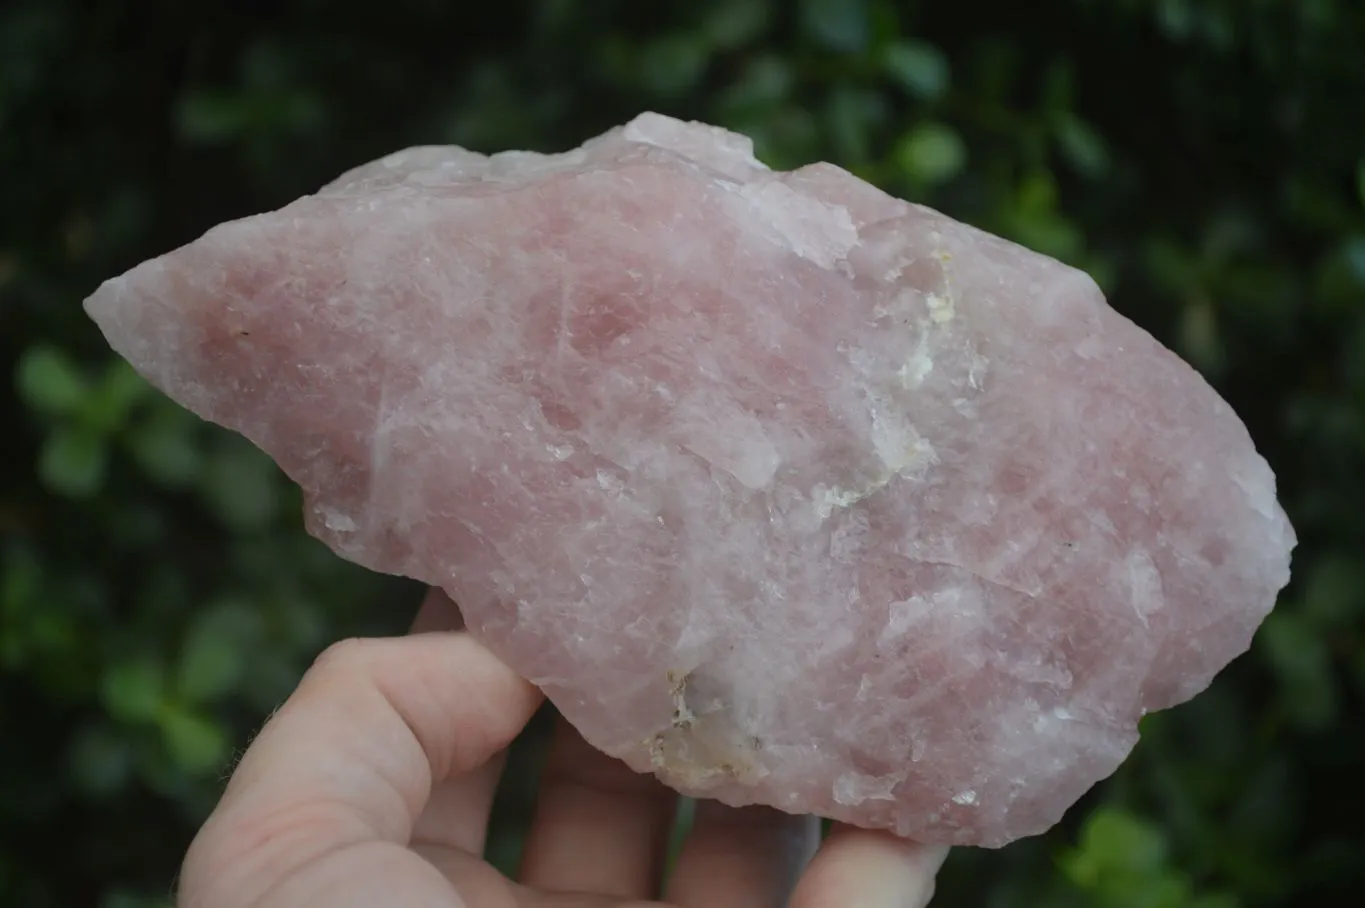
(783, 489)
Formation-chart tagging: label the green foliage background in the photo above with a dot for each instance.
(1204, 160)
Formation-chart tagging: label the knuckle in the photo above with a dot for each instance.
(343, 657)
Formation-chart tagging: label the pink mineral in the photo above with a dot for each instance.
(782, 489)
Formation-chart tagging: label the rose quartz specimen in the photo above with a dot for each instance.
(783, 489)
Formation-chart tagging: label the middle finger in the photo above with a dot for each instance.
(746, 857)
(599, 827)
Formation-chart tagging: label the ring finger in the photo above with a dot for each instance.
(599, 826)
(741, 857)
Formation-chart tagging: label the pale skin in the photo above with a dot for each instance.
(373, 783)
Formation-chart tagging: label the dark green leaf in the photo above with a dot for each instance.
(209, 666)
(1084, 148)
(120, 388)
(21, 576)
(918, 67)
(216, 650)
(167, 447)
(213, 117)
(673, 64)
(1299, 656)
(195, 742)
(852, 115)
(931, 153)
(1334, 592)
(72, 461)
(762, 83)
(50, 382)
(734, 22)
(241, 485)
(1353, 251)
(133, 688)
(1200, 337)
(1177, 17)
(839, 25)
(1117, 840)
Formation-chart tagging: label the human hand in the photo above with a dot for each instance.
(372, 786)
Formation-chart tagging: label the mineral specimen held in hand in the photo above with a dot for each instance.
(781, 488)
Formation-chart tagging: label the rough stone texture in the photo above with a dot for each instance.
(781, 488)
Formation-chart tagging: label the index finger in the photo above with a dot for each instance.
(352, 756)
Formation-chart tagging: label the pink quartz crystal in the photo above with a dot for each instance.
(783, 489)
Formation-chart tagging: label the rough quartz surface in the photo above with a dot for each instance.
(781, 488)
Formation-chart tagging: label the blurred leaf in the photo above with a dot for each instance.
(20, 583)
(19, 580)
(1176, 17)
(918, 67)
(1084, 148)
(72, 461)
(1034, 221)
(119, 389)
(133, 688)
(213, 117)
(196, 743)
(1334, 592)
(734, 22)
(301, 621)
(1298, 655)
(100, 759)
(211, 661)
(166, 446)
(50, 382)
(1037, 194)
(1360, 181)
(1173, 267)
(931, 153)
(1313, 203)
(274, 675)
(839, 25)
(1115, 840)
(788, 136)
(1200, 338)
(240, 485)
(852, 114)
(1232, 234)
(140, 526)
(1122, 861)
(1059, 89)
(674, 64)
(762, 82)
(222, 637)
(220, 117)
(1353, 251)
